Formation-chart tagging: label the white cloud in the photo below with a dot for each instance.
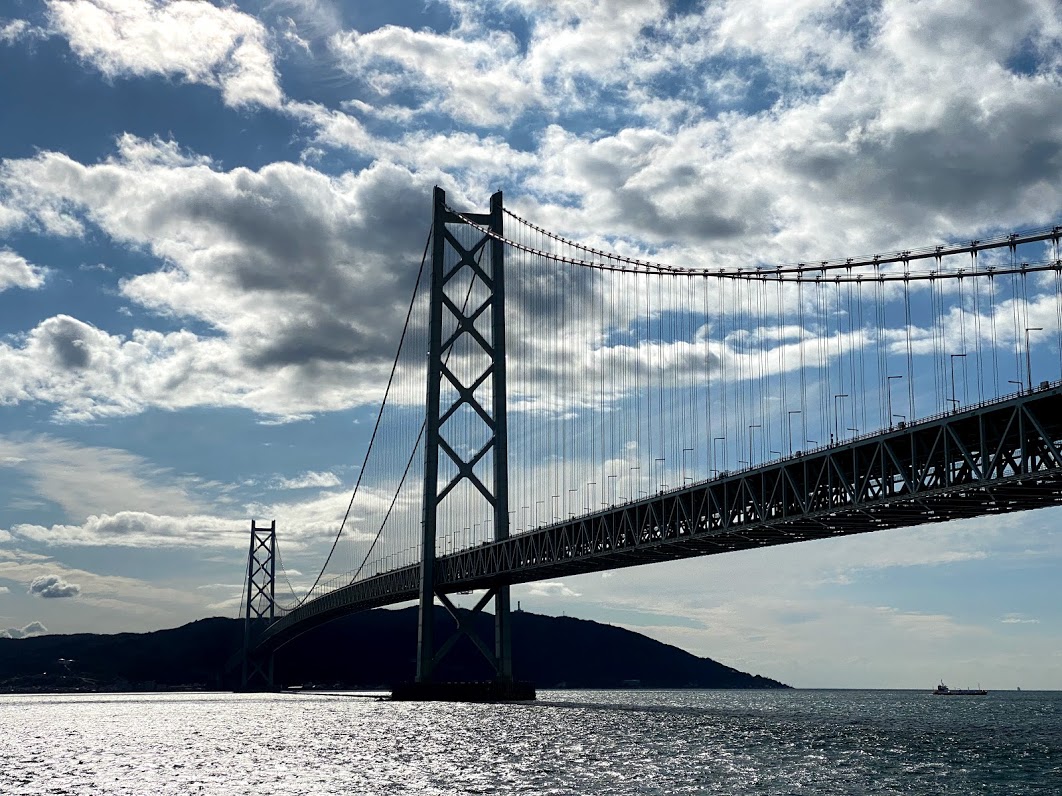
(16, 30)
(309, 480)
(551, 589)
(1018, 619)
(99, 594)
(195, 41)
(314, 254)
(89, 480)
(890, 125)
(569, 45)
(28, 631)
(16, 271)
(302, 524)
(486, 90)
(53, 587)
(139, 529)
(11, 31)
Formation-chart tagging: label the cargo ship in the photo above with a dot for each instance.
(943, 690)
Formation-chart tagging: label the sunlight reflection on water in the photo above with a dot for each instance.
(570, 742)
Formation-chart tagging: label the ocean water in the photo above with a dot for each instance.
(569, 742)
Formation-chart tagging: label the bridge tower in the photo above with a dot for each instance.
(467, 305)
(261, 605)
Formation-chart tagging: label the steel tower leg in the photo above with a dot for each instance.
(502, 638)
(463, 316)
(261, 605)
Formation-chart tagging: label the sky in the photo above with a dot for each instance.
(211, 214)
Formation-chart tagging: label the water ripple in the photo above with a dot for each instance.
(635, 742)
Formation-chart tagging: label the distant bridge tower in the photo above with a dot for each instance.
(261, 605)
(468, 306)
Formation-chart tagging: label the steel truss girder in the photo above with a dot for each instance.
(1001, 457)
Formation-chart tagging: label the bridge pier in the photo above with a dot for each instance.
(475, 329)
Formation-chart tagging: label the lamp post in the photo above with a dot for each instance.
(714, 458)
(684, 452)
(751, 457)
(888, 395)
(1028, 353)
(791, 412)
(954, 400)
(837, 413)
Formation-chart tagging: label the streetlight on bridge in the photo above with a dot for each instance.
(953, 400)
(1028, 353)
(837, 414)
(888, 394)
(716, 469)
(790, 413)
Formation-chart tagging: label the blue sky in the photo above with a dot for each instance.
(211, 216)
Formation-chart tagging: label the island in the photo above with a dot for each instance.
(369, 650)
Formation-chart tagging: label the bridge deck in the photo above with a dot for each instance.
(998, 457)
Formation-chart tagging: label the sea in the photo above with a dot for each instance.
(568, 742)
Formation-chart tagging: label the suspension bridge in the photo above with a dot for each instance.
(556, 409)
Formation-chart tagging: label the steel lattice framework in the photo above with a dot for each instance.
(477, 326)
(260, 604)
(998, 457)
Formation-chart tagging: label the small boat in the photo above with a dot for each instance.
(943, 690)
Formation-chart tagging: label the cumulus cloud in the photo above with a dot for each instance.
(134, 600)
(775, 131)
(573, 48)
(53, 587)
(551, 589)
(489, 91)
(193, 41)
(302, 524)
(314, 254)
(32, 629)
(898, 146)
(16, 271)
(139, 529)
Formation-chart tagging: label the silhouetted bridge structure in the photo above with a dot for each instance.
(700, 375)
